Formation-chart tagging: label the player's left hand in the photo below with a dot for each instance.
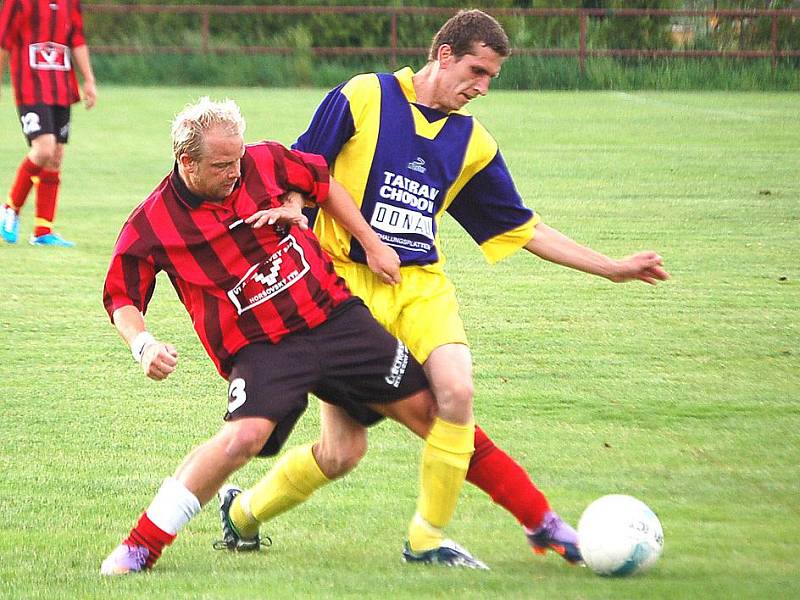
(287, 214)
(645, 266)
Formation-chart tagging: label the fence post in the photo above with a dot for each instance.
(393, 55)
(204, 30)
(774, 42)
(582, 43)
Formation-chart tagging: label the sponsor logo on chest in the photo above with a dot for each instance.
(402, 189)
(262, 282)
(49, 56)
(407, 212)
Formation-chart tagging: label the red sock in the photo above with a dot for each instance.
(46, 195)
(148, 534)
(23, 182)
(500, 476)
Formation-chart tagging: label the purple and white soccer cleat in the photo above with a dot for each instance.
(556, 535)
(125, 559)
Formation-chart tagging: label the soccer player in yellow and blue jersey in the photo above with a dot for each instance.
(406, 149)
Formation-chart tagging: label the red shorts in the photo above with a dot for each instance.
(349, 360)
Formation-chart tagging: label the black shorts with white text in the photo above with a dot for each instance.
(350, 361)
(41, 119)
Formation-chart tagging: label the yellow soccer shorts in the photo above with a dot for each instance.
(421, 310)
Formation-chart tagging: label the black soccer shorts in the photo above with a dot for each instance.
(40, 119)
(350, 360)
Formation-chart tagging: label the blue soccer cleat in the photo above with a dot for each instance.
(449, 554)
(9, 227)
(556, 535)
(231, 539)
(50, 239)
(125, 559)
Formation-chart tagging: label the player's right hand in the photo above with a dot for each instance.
(282, 215)
(384, 262)
(159, 360)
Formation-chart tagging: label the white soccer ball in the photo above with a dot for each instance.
(619, 535)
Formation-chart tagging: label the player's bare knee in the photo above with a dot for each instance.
(338, 460)
(455, 401)
(54, 164)
(344, 462)
(245, 441)
(45, 152)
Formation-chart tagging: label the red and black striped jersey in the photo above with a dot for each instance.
(39, 35)
(240, 285)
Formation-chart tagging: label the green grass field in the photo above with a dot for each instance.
(686, 395)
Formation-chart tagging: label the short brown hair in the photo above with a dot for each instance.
(466, 28)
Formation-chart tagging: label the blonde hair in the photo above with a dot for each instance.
(195, 120)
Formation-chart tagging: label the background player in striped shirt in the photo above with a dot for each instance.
(407, 151)
(270, 311)
(42, 40)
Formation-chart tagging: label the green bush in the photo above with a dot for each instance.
(520, 72)
(299, 34)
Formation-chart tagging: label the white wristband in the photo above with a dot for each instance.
(139, 343)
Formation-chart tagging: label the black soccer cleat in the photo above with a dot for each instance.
(231, 539)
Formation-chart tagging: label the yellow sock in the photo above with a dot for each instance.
(241, 517)
(445, 460)
(290, 482)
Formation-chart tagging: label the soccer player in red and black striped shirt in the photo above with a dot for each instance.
(41, 39)
(269, 309)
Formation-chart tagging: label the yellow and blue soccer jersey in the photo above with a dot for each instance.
(405, 164)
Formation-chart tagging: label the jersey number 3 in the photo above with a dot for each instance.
(236, 394)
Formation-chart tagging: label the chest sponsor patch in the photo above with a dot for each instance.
(262, 282)
(49, 56)
(402, 228)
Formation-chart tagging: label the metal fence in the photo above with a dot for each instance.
(393, 49)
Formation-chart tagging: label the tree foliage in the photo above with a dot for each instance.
(301, 33)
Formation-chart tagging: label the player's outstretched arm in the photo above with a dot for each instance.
(157, 359)
(552, 245)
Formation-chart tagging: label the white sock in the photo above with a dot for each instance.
(173, 507)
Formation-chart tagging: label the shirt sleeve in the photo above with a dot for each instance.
(131, 276)
(490, 209)
(77, 37)
(307, 173)
(10, 8)
(330, 128)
